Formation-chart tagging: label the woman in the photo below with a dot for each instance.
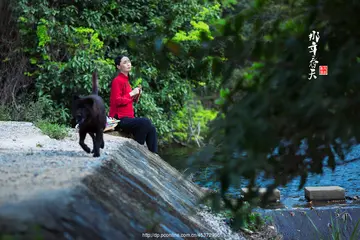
(121, 107)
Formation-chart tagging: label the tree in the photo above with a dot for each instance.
(65, 40)
(274, 121)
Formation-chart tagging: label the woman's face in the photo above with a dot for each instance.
(125, 65)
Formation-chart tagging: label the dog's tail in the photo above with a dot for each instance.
(95, 88)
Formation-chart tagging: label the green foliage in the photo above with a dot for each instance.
(209, 12)
(53, 130)
(190, 123)
(274, 122)
(223, 95)
(87, 38)
(74, 38)
(4, 114)
(40, 113)
(253, 221)
(28, 111)
(42, 33)
(33, 233)
(193, 35)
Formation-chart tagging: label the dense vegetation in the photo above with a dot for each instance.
(273, 122)
(57, 44)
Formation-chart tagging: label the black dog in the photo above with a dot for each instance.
(90, 115)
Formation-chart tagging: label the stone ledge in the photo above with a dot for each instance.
(325, 193)
(274, 197)
(59, 191)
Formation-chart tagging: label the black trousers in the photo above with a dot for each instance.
(142, 129)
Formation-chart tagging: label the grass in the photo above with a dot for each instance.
(4, 114)
(38, 112)
(335, 231)
(53, 130)
(32, 113)
(33, 233)
(252, 221)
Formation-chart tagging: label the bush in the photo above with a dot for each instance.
(191, 123)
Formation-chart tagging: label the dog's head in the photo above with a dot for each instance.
(82, 109)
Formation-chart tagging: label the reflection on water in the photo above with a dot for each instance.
(345, 175)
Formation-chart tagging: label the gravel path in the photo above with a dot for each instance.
(32, 162)
(25, 136)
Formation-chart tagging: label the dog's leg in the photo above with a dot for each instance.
(102, 145)
(82, 141)
(94, 141)
(93, 138)
(97, 144)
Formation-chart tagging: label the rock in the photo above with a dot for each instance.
(265, 232)
(127, 193)
(274, 197)
(326, 193)
(229, 221)
(206, 190)
(349, 198)
(247, 231)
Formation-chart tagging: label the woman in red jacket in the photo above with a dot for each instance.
(121, 107)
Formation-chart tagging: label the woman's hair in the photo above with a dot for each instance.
(117, 61)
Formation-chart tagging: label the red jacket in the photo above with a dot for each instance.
(120, 101)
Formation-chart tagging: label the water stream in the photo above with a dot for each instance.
(346, 176)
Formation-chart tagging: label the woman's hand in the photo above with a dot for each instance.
(135, 91)
(138, 96)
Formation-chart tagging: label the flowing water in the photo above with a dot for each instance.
(346, 175)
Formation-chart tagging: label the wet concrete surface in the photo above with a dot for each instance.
(316, 223)
(293, 200)
(57, 191)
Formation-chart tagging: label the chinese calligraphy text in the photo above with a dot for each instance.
(314, 39)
